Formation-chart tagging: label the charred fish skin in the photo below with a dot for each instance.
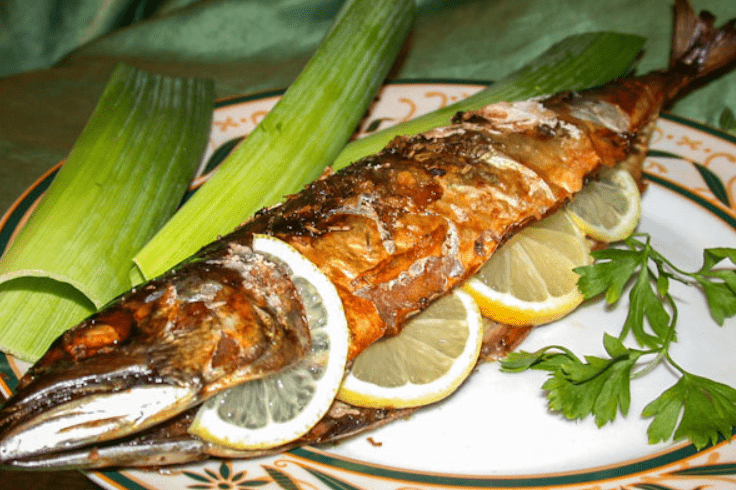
(393, 232)
(218, 320)
(398, 229)
(169, 443)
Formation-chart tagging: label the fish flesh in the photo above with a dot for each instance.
(393, 232)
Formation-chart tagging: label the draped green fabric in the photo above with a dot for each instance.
(55, 55)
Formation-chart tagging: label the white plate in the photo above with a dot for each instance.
(496, 431)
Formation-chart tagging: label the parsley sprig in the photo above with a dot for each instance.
(694, 408)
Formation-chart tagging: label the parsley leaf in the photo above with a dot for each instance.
(516, 362)
(598, 387)
(721, 295)
(705, 408)
(612, 270)
(721, 300)
(646, 303)
(695, 408)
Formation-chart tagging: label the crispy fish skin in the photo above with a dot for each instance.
(169, 443)
(393, 232)
(221, 319)
(398, 229)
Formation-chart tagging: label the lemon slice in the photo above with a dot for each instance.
(427, 361)
(529, 280)
(609, 208)
(283, 406)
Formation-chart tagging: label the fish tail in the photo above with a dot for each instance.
(698, 47)
(700, 51)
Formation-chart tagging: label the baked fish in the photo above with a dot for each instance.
(393, 232)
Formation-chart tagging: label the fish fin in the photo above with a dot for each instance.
(697, 45)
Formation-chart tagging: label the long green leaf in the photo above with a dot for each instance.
(123, 179)
(577, 62)
(304, 131)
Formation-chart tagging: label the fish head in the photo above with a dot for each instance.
(155, 352)
(107, 397)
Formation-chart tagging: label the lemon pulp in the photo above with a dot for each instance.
(530, 280)
(435, 351)
(608, 208)
(283, 406)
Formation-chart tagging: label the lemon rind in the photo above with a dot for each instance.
(628, 222)
(364, 394)
(210, 426)
(512, 311)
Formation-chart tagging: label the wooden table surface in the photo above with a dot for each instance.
(57, 480)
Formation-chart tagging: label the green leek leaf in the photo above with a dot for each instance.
(288, 150)
(124, 177)
(301, 135)
(576, 62)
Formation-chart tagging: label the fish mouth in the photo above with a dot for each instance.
(74, 409)
(166, 443)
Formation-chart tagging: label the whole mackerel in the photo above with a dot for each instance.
(393, 232)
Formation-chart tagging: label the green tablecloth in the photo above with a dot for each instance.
(55, 56)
